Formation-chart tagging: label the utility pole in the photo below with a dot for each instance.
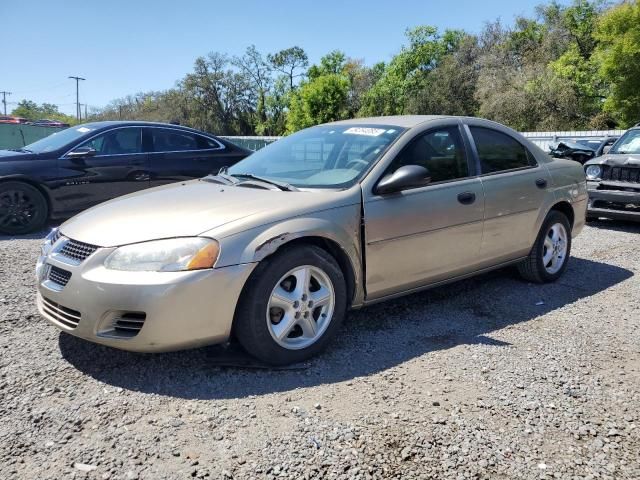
(4, 100)
(77, 79)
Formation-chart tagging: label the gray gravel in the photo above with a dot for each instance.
(487, 378)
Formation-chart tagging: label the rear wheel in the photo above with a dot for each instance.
(550, 254)
(23, 209)
(292, 306)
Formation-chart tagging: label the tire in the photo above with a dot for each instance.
(23, 209)
(274, 303)
(534, 268)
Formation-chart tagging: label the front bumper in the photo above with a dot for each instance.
(140, 311)
(622, 203)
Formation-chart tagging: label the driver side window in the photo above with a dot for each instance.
(120, 141)
(439, 151)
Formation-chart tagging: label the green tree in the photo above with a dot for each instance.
(618, 57)
(323, 99)
(289, 61)
(576, 64)
(450, 88)
(407, 70)
(32, 111)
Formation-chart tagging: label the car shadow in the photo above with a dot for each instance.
(40, 234)
(372, 339)
(616, 225)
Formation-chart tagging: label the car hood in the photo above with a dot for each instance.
(191, 208)
(616, 160)
(13, 155)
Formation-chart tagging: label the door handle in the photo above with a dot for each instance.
(467, 198)
(541, 183)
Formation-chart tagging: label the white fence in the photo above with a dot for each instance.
(542, 139)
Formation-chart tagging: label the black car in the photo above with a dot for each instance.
(613, 180)
(79, 167)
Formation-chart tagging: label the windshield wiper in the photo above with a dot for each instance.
(221, 178)
(22, 150)
(286, 187)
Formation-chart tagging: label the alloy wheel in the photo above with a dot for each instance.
(554, 252)
(300, 307)
(17, 209)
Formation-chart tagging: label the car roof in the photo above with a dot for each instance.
(115, 123)
(410, 121)
(405, 121)
(139, 123)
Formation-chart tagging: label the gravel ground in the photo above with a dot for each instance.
(488, 378)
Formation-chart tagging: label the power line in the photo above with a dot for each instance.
(4, 100)
(40, 89)
(77, 79)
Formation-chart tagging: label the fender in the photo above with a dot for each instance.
(256, 244)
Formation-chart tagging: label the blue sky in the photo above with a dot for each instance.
(125, 46)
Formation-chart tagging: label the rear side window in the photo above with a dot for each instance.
(165, 140)
(205, 143)
(499, 152)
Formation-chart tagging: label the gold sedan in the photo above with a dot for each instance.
(276, 249)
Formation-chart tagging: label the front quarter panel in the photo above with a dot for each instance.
(340, 225)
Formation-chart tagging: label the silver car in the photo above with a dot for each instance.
(276, 249)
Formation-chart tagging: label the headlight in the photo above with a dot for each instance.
(594, 172)
(172, 255)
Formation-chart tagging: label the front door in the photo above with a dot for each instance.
(117, 167)
(427, 234)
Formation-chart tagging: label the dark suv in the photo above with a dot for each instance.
(613, 180)
(79, 167)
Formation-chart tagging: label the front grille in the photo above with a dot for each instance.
(129, 324)
(622, 174)
(65, 316)
(77, 250)
(59, 276)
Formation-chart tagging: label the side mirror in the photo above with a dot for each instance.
(404, 178)
(82, 152)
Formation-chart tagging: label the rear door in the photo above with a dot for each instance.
(176, 155)
(118, 167)
(514, 186)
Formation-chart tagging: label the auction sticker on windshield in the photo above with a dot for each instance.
(369, 132)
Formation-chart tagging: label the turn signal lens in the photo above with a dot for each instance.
(205, 258)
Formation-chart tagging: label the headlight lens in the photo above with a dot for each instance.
(172, 255)
(594, 172)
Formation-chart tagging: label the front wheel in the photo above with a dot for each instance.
(549, 256)
(23, 209)
(292, 306)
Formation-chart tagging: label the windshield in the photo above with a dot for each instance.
(628, 143)
(327, 156)
(60, 139)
